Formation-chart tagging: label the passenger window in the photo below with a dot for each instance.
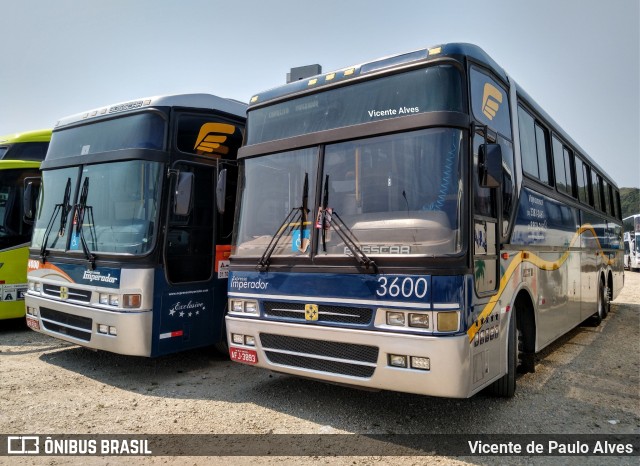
(533, 146)
(541, 144)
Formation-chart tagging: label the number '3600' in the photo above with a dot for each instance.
(407, 287)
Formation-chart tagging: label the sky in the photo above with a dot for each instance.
(579, 59)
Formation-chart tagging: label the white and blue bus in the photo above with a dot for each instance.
(133, 225)
(416, 223)
(631, 226)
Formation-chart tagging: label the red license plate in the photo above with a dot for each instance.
(33, 323)
(246, 356)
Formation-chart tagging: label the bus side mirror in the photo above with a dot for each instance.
(183, 194)
(221, 190)
(490, 165)
(29, 199)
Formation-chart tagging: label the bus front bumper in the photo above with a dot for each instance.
(360, 358)
(126, 333)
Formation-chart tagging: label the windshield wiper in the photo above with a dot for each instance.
(291, 218)
(330, 218)
(81, 209)
(64, 207)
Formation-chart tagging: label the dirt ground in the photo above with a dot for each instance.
(588, 383)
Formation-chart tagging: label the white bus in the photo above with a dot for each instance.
(416, 223)
(631, 227)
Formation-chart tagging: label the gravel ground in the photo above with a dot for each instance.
(587, 382)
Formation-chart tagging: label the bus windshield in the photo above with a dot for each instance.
(139, 131)
(399, 194)
(120, 207)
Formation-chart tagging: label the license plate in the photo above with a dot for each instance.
(33, 323)
(246, 356)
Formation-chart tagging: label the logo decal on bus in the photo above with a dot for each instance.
(491, 100)
(310, 312)
(64, 292)
(211, 137)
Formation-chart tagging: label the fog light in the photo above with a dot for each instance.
(447, 321)
(395, 318)
(103, 299)
(113, 331)
(249, 340)
(131, 301)
(421, 363)
(102, 328)
(419, 320)
(236, 306)
(237, 338)
(251, 307)
(37, 287)
(32, 286)
(113, 300)
(397, 360)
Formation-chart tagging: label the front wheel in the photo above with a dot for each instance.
(505, 386)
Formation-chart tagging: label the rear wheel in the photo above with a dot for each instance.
(602, 306)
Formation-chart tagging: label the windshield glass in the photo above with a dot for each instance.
(120, 213)
(272, 187)
(13, 231)
(399, 194)
(436, 88)
(139, 131)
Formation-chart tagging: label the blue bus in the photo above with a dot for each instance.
(133, 225)
(416, 223)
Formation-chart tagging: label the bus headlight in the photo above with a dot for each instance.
(236, 305)
(103, 298)
(114, 300)
(397, 360)
(419, 320)
(448, 321)
(395, 318)
(241, 305)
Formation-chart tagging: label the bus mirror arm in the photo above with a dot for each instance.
(221, 191)
(490, 165)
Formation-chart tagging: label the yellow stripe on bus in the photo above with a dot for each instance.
(526, 256)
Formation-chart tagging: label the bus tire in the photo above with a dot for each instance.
(505, 386)
(601, 305)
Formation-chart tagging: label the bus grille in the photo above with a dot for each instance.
(66, 324)
(325, 356)
(333, 314)
(74, 294)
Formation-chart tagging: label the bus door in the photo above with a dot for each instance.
(188, 317)
(485, 229)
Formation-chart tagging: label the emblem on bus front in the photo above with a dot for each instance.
(310, 312)
(64, 292)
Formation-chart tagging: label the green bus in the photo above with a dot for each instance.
(20, 156)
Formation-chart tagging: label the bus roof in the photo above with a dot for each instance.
(415, 57)
(12, 164)
(202, 101)
(40, 135)
(364, 69)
